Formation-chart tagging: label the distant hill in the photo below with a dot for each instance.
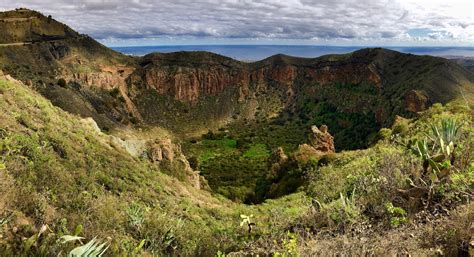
(27, 26)
(467, 62)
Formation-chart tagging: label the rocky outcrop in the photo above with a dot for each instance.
(320, 143)
(188, 84)
(321, 140)
(275, 163)
(416, 101)
(169, 156)
(163, 153)
(7, 77)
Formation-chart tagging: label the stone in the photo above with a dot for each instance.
(416, 101)
(321, 143)
(276, 162)
(168, 155)
(321, 140)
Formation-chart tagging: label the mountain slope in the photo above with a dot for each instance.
(60, 176)
(41, 51)
(58, 170)
(190, 92)
(129, 185)
(400, 83)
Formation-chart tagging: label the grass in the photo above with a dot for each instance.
(257, 151)
(71, 176)
(63, 174)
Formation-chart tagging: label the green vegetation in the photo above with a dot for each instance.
(220, 158)
(67, 188)
(397, 215)
(257, 151)
(72, 177)
(75, 179)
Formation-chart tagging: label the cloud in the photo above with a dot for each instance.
(296, 20)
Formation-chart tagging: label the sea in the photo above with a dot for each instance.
(259, 52)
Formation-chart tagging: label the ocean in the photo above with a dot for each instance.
(259, 52)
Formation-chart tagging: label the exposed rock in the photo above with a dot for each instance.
(416, 101)
(306, 152)
(211, 78)
(278, 156)
(156, 153)
(275, 162)
(90, 122)
(169, 156)
(320, 144)
(7, 77)
(163, 150)
(321, 140)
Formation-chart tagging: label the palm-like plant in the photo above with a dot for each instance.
(440, 156)
(445, 136)
(93, 248)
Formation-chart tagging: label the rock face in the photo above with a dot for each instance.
(169, 156)
(321, 140)
(186, 80)
(416, 101)
(320, 143)
(276, 162)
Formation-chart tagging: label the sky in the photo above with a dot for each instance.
(270, 22)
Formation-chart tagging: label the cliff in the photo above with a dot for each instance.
(191, 92)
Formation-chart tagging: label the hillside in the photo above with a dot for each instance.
(67, 178)
(197, 154)
(190, 92)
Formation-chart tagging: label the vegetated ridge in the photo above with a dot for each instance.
(254, 130)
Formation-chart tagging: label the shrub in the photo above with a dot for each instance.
(115, 92)
(384, 134)
(341, 213)
(397, 215)
(401, 126)
(62, 82)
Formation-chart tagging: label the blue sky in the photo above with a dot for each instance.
(269, 22)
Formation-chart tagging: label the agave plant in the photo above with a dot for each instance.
(448, 132)
(93, 248)
(445, 137)
(441, 155)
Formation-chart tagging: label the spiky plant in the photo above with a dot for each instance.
(93, 248)
(445, 136)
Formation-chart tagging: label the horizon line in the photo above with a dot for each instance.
(290, 45)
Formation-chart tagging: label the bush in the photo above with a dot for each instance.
(384, 134)
(341, 213)
(62, 82)
(401, 126)
(114, 92)
(397, 215)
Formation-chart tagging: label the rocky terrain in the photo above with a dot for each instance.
(158, 153)
(168, 89)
